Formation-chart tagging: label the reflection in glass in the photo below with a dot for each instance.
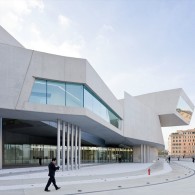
(106, 155)
(9, 154)
(184, 110)
(26, 154)
(74, 95)
(114, 120)
(19, 154)
(32, 153)
(55, 93)
(38, 94)
(93, 103)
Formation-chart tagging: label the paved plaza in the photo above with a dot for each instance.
(107, 179)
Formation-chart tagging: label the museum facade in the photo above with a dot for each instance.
(57, 106)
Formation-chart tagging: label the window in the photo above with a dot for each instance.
(74, 95)
(38, 94)
(55, 93)
(184, 109)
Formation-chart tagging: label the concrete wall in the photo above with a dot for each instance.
(20, 67)
(137, 154)
(7, 39)
(164, 102)
(14, 63)
(144, 154)
(141, 122)
(94, 81)
(153, 154)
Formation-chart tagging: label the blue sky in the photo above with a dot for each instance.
(138, 46)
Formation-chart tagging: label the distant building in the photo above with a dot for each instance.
(182, 143)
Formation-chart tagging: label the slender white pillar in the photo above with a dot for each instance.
(58, 141)
(79, 149)
(68, 146)
(142, 156)
(72, 146)
(1, 144)
(148, 154)
(63, 145)
(143, 153)
(76, 141)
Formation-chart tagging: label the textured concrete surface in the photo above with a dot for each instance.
(177, 178)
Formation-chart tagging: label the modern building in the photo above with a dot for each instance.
(54, 105)
(182, 143)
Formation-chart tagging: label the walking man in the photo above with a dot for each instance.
(52, 169)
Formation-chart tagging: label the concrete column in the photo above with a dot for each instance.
(141, 153)
(144, 153)
(72, 146)
(148, 154)
(63, 145)
(79, 148)
(58, 141)
(1, 143)
(68, 146)
(76, 143)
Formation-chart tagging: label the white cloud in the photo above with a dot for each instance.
(12, 12)
(34, 30)
(14, 16)
(103, 37)
(64, 21)
(66, 48)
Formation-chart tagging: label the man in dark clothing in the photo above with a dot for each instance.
(52, 169)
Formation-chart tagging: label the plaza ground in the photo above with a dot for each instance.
(105, 179)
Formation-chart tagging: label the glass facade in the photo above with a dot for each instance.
(94, 104)
(106, 155)
(184, 110)
(72, 95)
(25, 154)
(55, 93)
(32, 154)
(38, 94)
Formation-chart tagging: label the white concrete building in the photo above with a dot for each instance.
(54, 105)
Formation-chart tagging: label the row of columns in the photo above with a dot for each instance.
(72, 143)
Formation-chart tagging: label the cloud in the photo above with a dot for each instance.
(34, 30)
(64, 21)
(102, 39)
(17, 16)
(12, 13)
(50, 45)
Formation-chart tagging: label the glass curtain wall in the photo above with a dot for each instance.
(38, 94)
(32, 154)
(72, 95)
(55, 93)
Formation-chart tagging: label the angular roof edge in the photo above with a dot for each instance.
(8, 39)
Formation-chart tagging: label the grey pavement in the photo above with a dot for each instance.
(176, 177)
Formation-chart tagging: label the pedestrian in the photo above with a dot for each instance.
(40, 161)
(169, 159)
(193, 159)
(178, 158)
(52, 169)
